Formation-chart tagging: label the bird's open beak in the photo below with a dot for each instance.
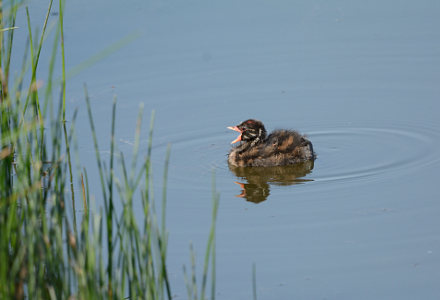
(235, 128)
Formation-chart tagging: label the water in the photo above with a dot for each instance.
(360, 79)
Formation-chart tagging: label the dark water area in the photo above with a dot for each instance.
(360, 79)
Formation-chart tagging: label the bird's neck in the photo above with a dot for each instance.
(247, 145)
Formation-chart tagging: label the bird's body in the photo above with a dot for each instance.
(280, 148)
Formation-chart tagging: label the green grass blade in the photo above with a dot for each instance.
(211, 238)
(63, 58)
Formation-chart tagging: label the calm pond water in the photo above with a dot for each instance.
(361, 79)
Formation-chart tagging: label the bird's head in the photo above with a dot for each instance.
(251, 131)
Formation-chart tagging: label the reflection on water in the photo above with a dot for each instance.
(259, 179)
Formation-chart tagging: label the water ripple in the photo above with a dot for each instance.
(354, 153)
(345, 152)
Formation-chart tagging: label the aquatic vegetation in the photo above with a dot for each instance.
(49, 247)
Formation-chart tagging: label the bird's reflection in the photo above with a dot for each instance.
(259, 179)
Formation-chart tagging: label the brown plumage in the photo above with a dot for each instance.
(280, 148)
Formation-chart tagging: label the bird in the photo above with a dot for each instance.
(282, 147)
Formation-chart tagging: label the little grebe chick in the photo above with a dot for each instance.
(281, 147)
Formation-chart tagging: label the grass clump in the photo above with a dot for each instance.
(46, 250)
